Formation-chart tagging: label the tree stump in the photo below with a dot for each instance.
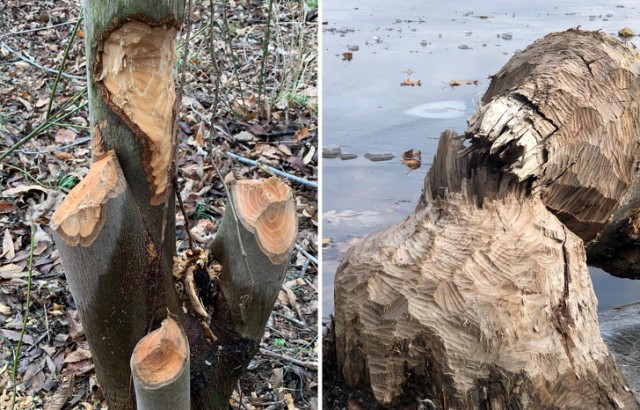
(482, 297)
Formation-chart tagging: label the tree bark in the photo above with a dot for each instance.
(120, 262)
(482, 297)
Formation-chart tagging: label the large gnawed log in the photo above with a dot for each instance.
(482, 297)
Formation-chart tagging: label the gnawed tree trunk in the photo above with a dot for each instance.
(118, 258)
(482, 297)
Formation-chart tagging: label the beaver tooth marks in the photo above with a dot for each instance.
(134, 70)
(82, 214)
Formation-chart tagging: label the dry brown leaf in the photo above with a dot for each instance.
(301, 134)
(6, 207)
(63, 156)
(347, 56)
(283, 148)
(8, 250)
(65, 136)
(78, 356)
(17, 191)
(62, 394)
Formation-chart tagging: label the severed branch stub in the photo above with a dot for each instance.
(254, 243)
(160, 369)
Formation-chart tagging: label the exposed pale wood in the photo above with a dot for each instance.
(482, 296)
(566, 118)
(160, 369)
(265, 207)
(136, 74)
(81, 216)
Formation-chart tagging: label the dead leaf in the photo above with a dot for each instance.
(15, 336)
(347, 56)
(309, 157)
(6, 207)
(454, 83)
(61, 396)
(17, 191)
(65, 136)
(78, 356)
(412, 163)
(63, 156)
(409, 83)
(411, 154)
(5, 310)
(301, 134)
(284, 149)
(8, 250)
(244, 136)
(276, 377)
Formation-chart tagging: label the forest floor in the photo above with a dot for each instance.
(266, 112)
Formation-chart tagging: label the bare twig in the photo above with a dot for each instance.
(61, 67)
(235, 219)
(273, 170)
(176, 189)
(307, 254)
(35, 64)
(14, 372)
(308, 365)
(295, 321)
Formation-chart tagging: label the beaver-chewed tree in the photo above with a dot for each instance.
(482, 298)
(116, 231)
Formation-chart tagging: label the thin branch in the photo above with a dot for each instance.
(235, 219)
(307, 254)
(26, 317)
(34, 63)
(176, 189)
(308, 365)
(273, 170)
(60, 148)
(61, 68)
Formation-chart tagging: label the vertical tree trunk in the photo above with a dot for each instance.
(482, 297)
(120, 263)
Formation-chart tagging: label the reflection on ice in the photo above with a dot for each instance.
(439, 109)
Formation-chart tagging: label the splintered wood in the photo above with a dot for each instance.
(567, 118)
(482, 297)
(267, 208)
(81, 216)
(136, 76)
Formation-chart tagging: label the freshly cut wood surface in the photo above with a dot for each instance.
(160, 369)
(266, 208)
(482, 297)
(160, 356)
(81, 216)
(137, 63)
